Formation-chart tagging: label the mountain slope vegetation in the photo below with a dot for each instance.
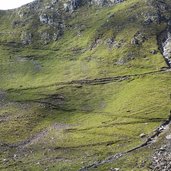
(83, 81)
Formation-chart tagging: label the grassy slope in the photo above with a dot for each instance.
(93, 121)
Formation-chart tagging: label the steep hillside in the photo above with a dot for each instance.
(84, 85)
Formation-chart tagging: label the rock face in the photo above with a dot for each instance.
(72, 5)
(164, 41)
(167, 49)
(49, 16)
(42, 16)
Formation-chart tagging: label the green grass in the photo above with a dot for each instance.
(115, 112)
(89, 122)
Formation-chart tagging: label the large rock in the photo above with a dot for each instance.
(71, 5)
(44, 18)
(45, 37)
(167, 49)
(26, 38)
(138, 38)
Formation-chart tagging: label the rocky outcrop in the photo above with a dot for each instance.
(49, 16)
(44, 18)
(72, 5)
(156, 15)
(166, 45)
(138, 38)
(26, 38)
(45, 37)
(164, 41)
(105, 2)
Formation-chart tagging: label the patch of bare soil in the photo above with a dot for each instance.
(39, 137)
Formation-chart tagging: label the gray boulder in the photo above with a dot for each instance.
(26, 38)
